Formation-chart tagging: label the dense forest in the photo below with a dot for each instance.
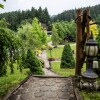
(70, 14)
(15, 18)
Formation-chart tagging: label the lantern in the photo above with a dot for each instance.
(91, 50)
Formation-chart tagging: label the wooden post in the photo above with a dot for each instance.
(80, 54)
(88, 25)
(78, 43)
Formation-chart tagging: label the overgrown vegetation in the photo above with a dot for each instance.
(10, 80)
(18, 48)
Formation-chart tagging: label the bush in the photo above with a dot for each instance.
(98, 56)
(44, 47)
(41, 62)
(67, 59)
(33, 63)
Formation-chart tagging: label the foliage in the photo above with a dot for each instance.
(98, 56)
(55, 38)
(64, 31)
(94, 95)
(67, 59)
(24, 33)
(33, 63)
(9, 46)
(1, 5)
(94, 29)
(71, 14)
(3, 23)
(32, 35)
(39, 34)
(15, 18)
(10, 80)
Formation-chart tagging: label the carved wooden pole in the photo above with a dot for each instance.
(78, 43)
(82, 22)
(88, 25)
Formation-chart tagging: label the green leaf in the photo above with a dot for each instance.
(1, 6)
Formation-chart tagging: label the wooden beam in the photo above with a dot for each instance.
(78, 43)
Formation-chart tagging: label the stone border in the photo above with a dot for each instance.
(43, 76)
(76, 90)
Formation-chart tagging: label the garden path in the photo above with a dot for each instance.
(47, 66)
(45, 88)
(48, 87)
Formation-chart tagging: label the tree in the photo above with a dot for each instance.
(25, 35)
(67, 60)
(8, 47)
(14, 18)
(3, 23)
(55, 37)
(65, 30)
(33, 63)
(1, 5)
(39, 34)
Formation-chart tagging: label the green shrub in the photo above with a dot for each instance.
(42, 62)
(33, 63)
(67, 59)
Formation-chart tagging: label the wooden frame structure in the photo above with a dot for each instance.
(82, 23)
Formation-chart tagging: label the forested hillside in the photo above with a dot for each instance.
(16, 17)
(70, 14)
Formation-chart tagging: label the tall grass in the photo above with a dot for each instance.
(10, 80)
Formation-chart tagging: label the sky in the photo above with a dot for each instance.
(54, 6)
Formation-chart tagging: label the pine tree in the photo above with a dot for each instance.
(33, 63)
(67, 59)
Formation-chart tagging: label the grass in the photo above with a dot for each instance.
(57, 52)
(94, 95)
(63, 71)
(9, 81)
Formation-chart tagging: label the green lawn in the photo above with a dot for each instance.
(9, 81)
(63, 71)
(57, 52)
